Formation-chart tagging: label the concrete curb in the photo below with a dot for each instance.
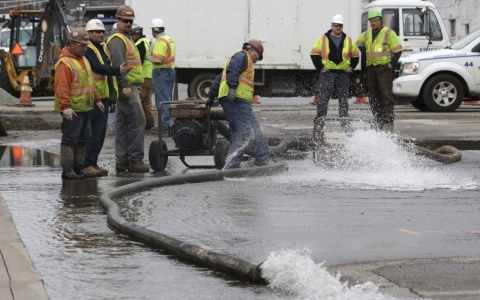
(18, 277)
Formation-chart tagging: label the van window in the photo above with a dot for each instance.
(413, 24)
(364, 22)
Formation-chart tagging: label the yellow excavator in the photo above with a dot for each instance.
(36, 40)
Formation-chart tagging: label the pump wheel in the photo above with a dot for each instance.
(220, 153)
(158, 162)
(443, 93)
(200, 85)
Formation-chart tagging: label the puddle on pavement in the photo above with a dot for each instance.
(18, 156)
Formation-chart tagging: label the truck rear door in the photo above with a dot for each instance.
(275, 24)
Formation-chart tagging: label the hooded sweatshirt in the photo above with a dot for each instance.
(63, 80)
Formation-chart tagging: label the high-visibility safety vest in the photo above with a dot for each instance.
(245, 83)
(381, 50)
(163, 53)
(82, 88)
(132, 56)
(100, 81)
(147, 65)
(322, 48)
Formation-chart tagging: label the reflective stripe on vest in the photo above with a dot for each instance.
(100, 81)
(245, 82)
(132, 58)
(323, 50)
(82, 87)
(147, 65)
(380, 50)
(165, 58)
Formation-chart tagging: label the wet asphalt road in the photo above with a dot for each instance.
(409, 224)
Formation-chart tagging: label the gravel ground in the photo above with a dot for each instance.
(6, 99)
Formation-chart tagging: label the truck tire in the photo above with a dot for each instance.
(158, 162)
(419, 104)
(443, 93)
(200, 85)
(4, 80)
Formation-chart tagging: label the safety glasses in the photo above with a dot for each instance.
(337, 25)
(98, 31)
(126, 21)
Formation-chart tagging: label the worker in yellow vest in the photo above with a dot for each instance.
(75, 97)
(162, 56)
(130, 120)
(335, 55)
(381, 50)
(106, 85)
(234, 90)
(143, 47)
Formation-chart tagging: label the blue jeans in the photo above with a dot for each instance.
(329, 83)
(245, 131)
(163, 82)
(77, 131)
(98, 124)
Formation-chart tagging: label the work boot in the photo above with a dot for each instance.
(166, 131)
(79, 152)
(138, 166)
(264, 163)
(121, 166)
(91, 171)
(155, 129)
(101, 171)
(66, 158)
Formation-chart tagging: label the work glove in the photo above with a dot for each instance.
(209, 103)
(126, 93)
(124, 70)
(232, 93)
(113, 108)
(68, 114)
(100, 105)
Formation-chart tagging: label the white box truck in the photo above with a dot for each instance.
(207, 32)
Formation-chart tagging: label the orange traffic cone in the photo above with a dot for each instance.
(255, 99)
(361, 100)
(471, 101)
(25, 93)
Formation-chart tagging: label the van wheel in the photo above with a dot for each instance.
(419, 104)
(200, 85)
(443, 93)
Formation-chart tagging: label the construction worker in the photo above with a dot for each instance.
(130, 121)
(382, 49)
(75, 96)
(234, 89)
(143, 46)
(335, 55)
(162, 56)
(106, 87)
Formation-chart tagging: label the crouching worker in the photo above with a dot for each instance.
(234, 89)
(75, 97)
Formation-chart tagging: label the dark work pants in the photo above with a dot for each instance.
(77, 131)
(98, 123)
(380, 83)
(328, 83)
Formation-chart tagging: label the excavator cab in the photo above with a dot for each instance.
(35, 43)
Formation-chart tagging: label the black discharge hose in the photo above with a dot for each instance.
(217, 261)
(444, 154)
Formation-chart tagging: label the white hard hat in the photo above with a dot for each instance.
(114, 26)
(156, 23)
(94, 24)
(337, 19)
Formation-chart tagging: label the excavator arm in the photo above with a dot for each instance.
(51, 36)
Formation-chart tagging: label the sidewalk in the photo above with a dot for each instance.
(19, 280)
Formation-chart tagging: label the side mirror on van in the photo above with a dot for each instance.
(426, 23)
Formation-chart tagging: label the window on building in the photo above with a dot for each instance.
(467, 29)
(453, 31)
